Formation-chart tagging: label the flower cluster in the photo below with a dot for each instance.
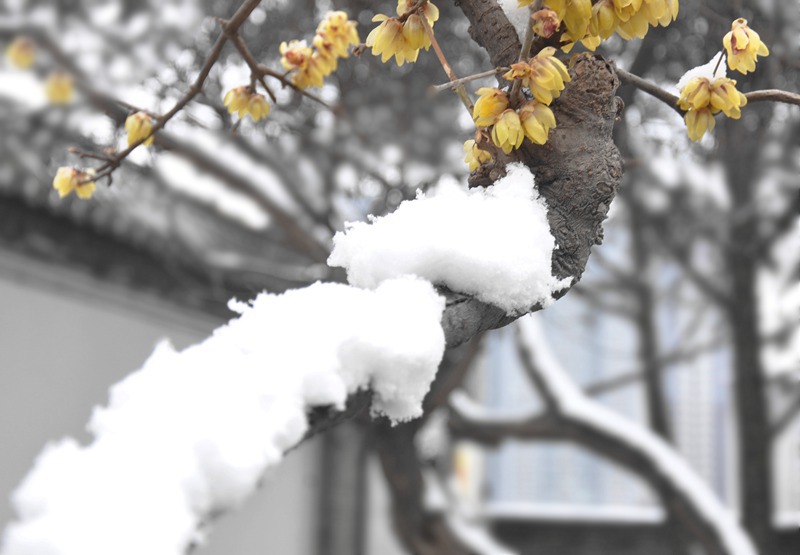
(139, 127)
(475, 156)
(242, 100)
(545, 76)
(21, 52)
(59, 88)
(702, 99)
(311, 64)
(590, 23)
(743, 46)
(403, 36)
(71, 179)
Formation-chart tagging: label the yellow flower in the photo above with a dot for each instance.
(545, 23)
(696, 94)
(726, 98)
(415, 34)
(70, 179)
(604, 19)
(242, 102)
(698, 122)
(294, 54)
(537, 121)
(429, 10)
(313, 73)
(743, 46)
(386, 40)
(507, 133)
(490, 104)
(58, 88)
(21, 52)
(139, 126)
(548, 75)
(574, 13)
(660, 12)
(337, 31)
(258, 107)
(475, 156)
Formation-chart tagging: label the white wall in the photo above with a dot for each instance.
(63, 341)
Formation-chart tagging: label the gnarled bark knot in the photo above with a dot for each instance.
(577, 172)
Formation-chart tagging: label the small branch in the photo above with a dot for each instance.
(650, 88)
(766, 95)
(462, 80)
(459, 89)
(773, 95)
(524, 52)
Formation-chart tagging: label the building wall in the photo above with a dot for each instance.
(63, 341)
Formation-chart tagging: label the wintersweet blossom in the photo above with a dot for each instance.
(294, 54)
(21, 52)
(574, 13)
(545, 23)
(743, 46)
(139, 126)
(537, 120)
(311, 64)
(69, 179)
(241, 101)
(726, 98)
(404, 37)
(59, 88)
(544, 75)
(490, 104)
(507, 133)
(698, 122)
(475, 156)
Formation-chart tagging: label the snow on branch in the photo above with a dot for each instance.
(190, 434)
(493, 243)
(571, 415)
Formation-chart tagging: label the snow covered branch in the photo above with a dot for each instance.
(571, 415)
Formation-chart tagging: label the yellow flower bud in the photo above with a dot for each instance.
(258, 107)
(507, 133)
(698, 122)
(71, 179)
(475, 156)
(59, 88)
(490, 104)
(414, 33)
(242, 102)
(545, 23)
(537, 121)
(743, 46)
(139, 126)
(21, 52)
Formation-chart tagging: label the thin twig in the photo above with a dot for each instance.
(462, 80)
(460, 90)
(524, 52)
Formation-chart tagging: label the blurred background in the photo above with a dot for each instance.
(687, 320)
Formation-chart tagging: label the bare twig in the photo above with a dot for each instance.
(462, 80)
(460, 90)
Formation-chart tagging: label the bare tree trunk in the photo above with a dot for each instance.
(754, 445)
(342, 497)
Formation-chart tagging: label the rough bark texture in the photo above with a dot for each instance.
(577, 172)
